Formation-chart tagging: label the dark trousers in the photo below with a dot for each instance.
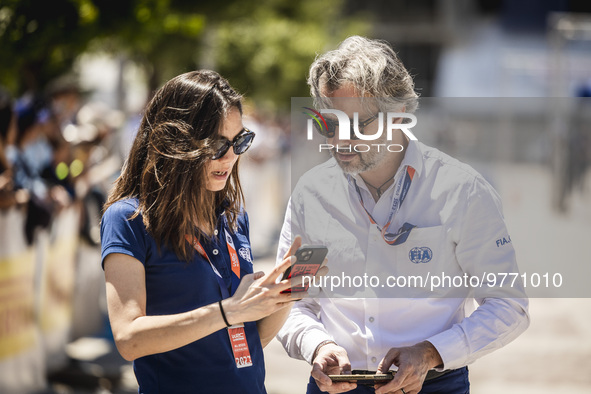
(454, 382)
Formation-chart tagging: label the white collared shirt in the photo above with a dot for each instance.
(459, 223)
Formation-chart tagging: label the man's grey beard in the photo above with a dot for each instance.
(367, 161)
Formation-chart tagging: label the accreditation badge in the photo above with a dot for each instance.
(239, 346)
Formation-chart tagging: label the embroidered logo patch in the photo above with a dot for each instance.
(245, 254)
(421, 254)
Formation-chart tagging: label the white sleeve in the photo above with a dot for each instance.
(502, 314)
(303, 331)
(285, 236)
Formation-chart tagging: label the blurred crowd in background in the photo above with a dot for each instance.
(56, 166)
(53, 146)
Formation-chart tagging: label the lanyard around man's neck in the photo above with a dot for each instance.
(400, 192)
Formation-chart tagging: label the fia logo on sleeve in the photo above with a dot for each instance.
(503, 241)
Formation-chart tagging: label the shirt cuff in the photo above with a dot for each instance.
(452, 348)
(311, 341)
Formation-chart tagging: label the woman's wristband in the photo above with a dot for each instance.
(223, 314)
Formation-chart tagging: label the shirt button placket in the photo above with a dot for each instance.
(372, 324)
(371, 319)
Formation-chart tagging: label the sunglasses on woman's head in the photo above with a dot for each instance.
(240, 144)
(333, 125)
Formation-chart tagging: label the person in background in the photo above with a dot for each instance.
(9, 197)
(182, 297)
(29, 156)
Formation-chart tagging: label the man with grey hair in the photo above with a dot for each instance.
(405, 212)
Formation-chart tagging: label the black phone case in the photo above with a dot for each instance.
(305, 264)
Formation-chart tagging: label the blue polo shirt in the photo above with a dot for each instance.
(175, 286)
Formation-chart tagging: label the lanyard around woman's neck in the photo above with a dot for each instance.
(234, 265)
(236, 332)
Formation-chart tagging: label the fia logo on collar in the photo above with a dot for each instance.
(421, 254)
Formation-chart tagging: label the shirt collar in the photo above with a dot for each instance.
(412, 157)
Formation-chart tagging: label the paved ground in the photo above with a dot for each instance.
(553, 356)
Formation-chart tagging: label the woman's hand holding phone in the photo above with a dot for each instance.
(310, 259)
(260, 294)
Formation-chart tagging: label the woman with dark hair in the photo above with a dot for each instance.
(183, 301)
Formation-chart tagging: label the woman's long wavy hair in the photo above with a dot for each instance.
(166, 167)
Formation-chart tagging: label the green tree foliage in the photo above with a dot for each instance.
(265, 50)
(263, 47)
(39, 40)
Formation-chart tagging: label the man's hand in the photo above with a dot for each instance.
(331, 360)
(413, 363)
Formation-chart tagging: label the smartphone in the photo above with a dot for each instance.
(309, 260)
(367, 379)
